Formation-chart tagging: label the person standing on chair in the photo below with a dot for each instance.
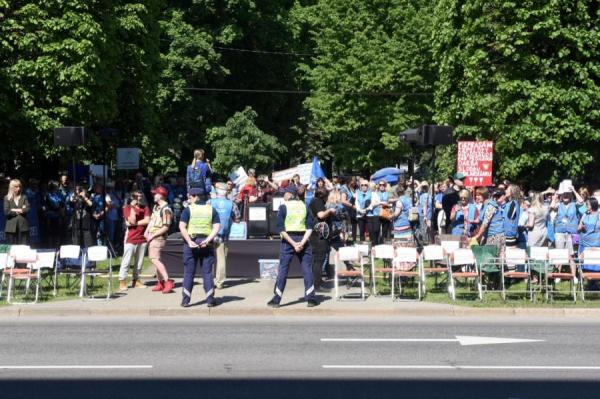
(228, 213)
(199, 226)
(137, 217)
(156, 236)
(16, 207)
(295, 223)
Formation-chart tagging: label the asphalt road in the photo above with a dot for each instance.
(298, 358)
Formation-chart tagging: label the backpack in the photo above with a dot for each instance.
(198, 177)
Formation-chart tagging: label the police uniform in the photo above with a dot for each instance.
(295, 220)
(199, 219)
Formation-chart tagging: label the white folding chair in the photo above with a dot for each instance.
(22, 255)
(406, 265)
(5, 265)
(45, 261)
(436, 258)
(70, 262)
(352, 255)
(97, 254)
(463, 257)
(384, 252)
(558, 259)
(513, 258)
(450, 246)
(589, 257)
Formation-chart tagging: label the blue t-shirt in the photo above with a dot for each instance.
(98, 203)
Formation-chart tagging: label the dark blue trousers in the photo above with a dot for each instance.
(286, 254)
(205, 257)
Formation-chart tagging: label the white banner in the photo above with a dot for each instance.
(304, 170)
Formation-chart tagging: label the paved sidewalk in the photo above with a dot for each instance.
(248, 297)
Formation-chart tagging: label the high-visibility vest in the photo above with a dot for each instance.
(200, 222)
(295, 218)
(156, 220)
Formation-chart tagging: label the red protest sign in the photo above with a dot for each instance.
(475, 161)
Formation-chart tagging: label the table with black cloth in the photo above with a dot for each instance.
(242, 260)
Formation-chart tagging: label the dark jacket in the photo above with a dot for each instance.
(15, 221)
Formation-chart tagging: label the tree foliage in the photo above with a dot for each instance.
(526, 75)
(371, 75)
(241, 142)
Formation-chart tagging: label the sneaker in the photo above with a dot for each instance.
(311, 303)
(137, 284)
(185, 304)
(122, 285)
(160, 285)
(211, 304)
(168, 287)
(273, 304)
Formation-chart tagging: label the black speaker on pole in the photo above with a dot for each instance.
(70, 136)
(437, 135)
(428, 135)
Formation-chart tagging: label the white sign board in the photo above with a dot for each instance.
(257, 214)
(304, 170)
(238, 177)
(128, 158)
(98, 170)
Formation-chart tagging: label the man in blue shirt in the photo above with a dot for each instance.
(98, 214)
(228, 212)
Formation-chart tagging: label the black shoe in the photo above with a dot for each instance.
(311, 303)
(322, 290)
(185, 304)
(273, 304)
(211, 304)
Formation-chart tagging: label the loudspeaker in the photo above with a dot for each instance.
(258, 220)
(428, 135)
(70, 136)
(273, 224)
(437, 135)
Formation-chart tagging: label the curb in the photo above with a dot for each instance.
(221, 311)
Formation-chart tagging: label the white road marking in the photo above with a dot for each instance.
(464, 340)
(84, 367)
(456, 367)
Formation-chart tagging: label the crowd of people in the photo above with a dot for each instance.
(135, 216)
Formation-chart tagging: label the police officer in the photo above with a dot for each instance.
(228, 212)
(295, 224)
(199, 225)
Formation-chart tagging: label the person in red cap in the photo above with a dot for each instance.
(156, 236)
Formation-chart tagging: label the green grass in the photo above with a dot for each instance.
(71, 291)
(466, 294)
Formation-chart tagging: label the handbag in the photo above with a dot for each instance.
(386, 214)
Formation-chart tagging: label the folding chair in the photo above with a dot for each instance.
(538, 262)
(46, 260)
(589, 268)
(349, 254)
(406, 264)
(557, 260)
(513, 258)
(490, 266)
(22, 255)
(450, 246)
(383, 252)
(464, 258)
(71, 261)
(97, 254)
(5, 265)
(436, 257)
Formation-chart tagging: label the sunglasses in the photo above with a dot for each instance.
(364, 185)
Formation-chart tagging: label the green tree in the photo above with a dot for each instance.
(372, 75)
(525, 75)
(241, 142)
